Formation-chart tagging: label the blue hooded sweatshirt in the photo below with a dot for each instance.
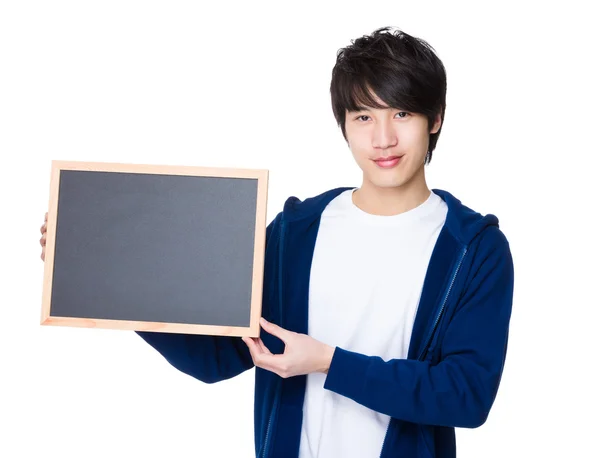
(456, 355)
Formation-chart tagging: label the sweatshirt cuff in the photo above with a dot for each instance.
(347, 373)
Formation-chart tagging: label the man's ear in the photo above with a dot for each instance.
(437, 124)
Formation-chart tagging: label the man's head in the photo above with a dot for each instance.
(388, 94)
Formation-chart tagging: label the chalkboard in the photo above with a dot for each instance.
(155, 248)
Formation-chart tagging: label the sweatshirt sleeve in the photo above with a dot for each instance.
(459, 390)
(207, 358)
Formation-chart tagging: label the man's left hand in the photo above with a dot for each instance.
(302, 354)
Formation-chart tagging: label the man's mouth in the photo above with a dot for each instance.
(387, 162)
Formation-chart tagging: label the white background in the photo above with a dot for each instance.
(246, 84)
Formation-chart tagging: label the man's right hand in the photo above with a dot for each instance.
(43, 238)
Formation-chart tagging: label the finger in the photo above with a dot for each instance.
(43, 240)
(263, 347)
(252, 341)
(252, 347)
(275, 330)
(261, 359)
(46, 217)
(43, 228)
(279, 364)
(258, 356)
(43, 256)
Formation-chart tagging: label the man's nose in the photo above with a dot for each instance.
(384, 135)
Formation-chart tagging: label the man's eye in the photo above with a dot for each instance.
(362, 118)
(404, 113)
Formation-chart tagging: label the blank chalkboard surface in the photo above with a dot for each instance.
(159, 248)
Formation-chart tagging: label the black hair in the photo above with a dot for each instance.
(402, 70)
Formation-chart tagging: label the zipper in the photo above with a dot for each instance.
(433, 327)
(276, 401)
(443, 306)
(268, 435)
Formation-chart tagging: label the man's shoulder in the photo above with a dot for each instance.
(467, 224)
(295, 208)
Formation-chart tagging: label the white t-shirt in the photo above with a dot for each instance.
(366, 280)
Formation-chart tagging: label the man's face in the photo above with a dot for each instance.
(375, 134)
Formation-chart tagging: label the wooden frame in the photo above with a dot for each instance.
(259, 248)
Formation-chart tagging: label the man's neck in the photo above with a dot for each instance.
(390, 201)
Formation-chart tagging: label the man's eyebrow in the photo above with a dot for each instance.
(363, 108)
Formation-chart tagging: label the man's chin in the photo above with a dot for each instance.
(388, 184)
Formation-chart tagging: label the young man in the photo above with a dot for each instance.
(387, 307)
